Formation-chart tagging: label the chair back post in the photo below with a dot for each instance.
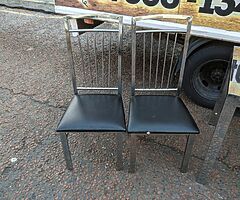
(184, 55)
(70, 55)
(133, 84)
(120, 45)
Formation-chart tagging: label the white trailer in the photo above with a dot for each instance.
(215, 30)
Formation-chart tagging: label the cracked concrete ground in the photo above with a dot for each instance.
(35, 89)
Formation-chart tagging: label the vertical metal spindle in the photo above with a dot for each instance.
(82, 58)
(102, 58)
(70, 54)
(164, 62)
(133, 85)
(184, 54)
(170, 69)
(95, 56)
(109, 58)
(89, 62)
(158, 55)
(144, 58)
(120, 45)
(150, 64)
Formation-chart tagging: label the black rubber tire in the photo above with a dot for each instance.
(198, 93)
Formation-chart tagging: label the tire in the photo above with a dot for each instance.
(204, 73)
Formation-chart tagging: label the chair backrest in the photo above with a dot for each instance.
(157, 54)
(95, 54)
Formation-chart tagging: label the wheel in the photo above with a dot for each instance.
(204, 73)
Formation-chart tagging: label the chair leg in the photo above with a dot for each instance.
(119, 140)
(221, 99)
(217, 139)
(187, 153)
(132, 165)
(66, 151)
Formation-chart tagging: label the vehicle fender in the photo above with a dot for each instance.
(194, 44)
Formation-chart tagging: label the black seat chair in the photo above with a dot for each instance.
(97, 102)
(158, 109)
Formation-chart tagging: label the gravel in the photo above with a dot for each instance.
(35, 89)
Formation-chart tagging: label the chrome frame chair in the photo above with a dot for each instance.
(222, 115)
(147, 115)
(94, 108)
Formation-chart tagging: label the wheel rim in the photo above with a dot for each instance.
(208, 78)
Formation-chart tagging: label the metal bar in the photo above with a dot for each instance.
(119, 141)
(164, 62)
(171, 62)
(157, 134)
(184, 56)
(144, 58)
(96, 88)
(218, 137)
(160, 31)
(92, 30)
(120, 44)
(114, 18)
(187, 153)
(70, 55)
(66, 151)
(133, 56)
(109, 59)
(150, 64)
(82, 58)
(95, 56)
(163, 16)
(97, 16)
(158, 56)
(221, 99)
(155, 89)
(107, 19)
(133, 151)
(102, 58)
(89, 63)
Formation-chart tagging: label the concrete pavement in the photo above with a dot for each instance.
(35, 89)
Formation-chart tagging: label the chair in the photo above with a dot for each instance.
(222, 115)
(157, 108)
(96, 106)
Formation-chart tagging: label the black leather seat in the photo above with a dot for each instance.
(93, 112)
(160, 114)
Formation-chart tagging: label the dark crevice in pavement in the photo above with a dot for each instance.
(45, 103)
(169, 147)
(6, 171)
(222, 160)
(174, 149)
(23, 143)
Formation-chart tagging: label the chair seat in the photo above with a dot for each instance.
(93, 112)
(160, 114)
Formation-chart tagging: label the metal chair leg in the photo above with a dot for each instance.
(221, 99)
(66, 151)
(216, 111)
(132, 165)
(119, 140)
(217, 140)
(187, 153)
